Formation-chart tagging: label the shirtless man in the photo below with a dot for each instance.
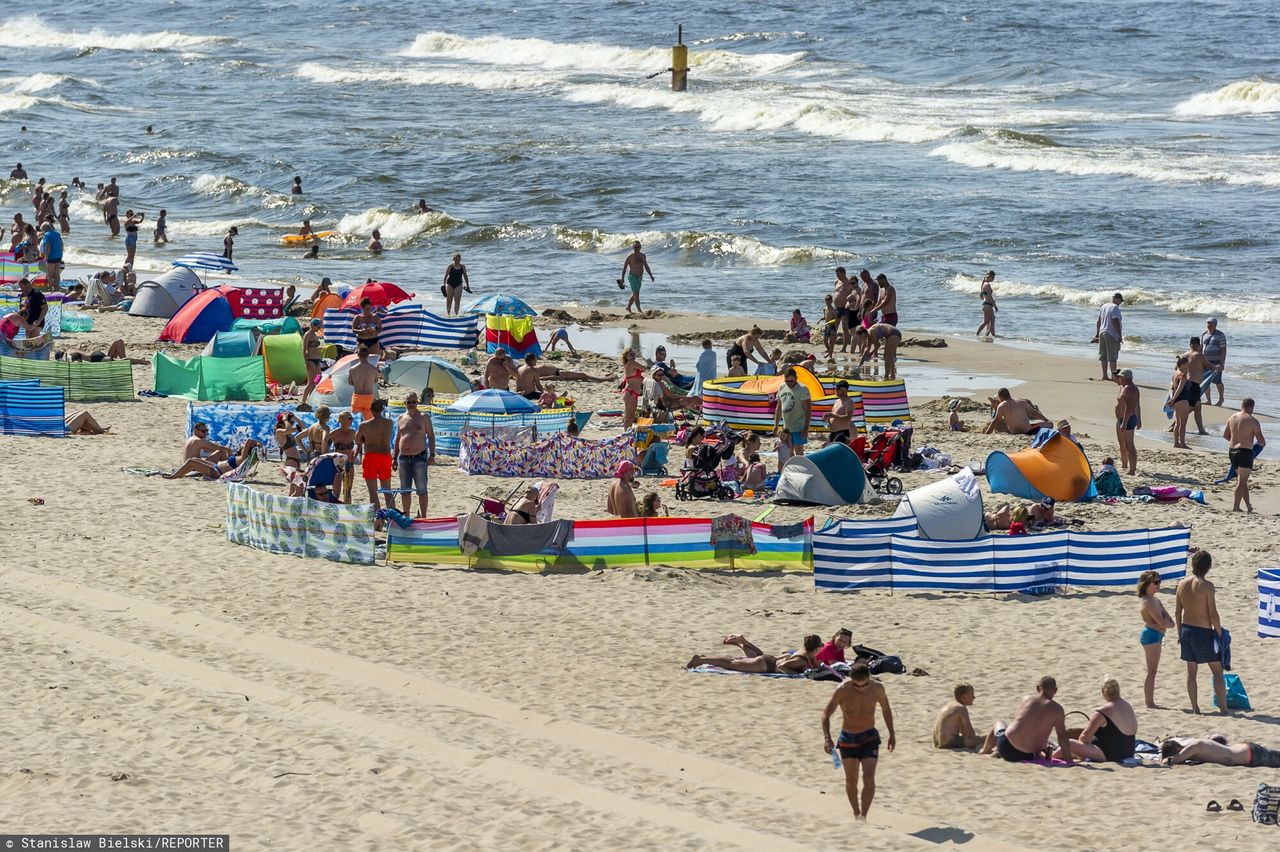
(872, 336)
(859, 741)
(621, 501)
(1027, 736)
(311, 344)
(1016, 416)
(1243, 433)
(1128, 420)
(1197, 367)
(499, 372)
(210, 460)
(111, 212)
(375, 242)
(1216, 750)
(415, 451)
(364, 384)
(745, 347)
(887, 305)
(870, 293)
(529, 377)
(1199, 629)
(306, 230)
(953, 729)
(367, 327)
(373, 441)
(840, 419)
(844, 299)
(633, 270)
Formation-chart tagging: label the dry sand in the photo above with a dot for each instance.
(163, 679)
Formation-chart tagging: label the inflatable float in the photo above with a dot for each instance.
(304, 239)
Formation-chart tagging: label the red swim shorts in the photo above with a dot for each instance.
(376, 466)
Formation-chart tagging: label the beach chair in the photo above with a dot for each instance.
(247, 467)
(322, 473)
(654, 460)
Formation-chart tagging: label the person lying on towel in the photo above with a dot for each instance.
(210, 460)
(756, 661)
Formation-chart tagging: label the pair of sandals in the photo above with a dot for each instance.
(1233, 805)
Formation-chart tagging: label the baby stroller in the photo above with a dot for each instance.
(701, 481)
(888, 450)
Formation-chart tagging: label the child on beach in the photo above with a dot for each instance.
(799, 328)
(830, 326)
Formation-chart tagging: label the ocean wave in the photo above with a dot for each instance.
(228, 187)
(216, 227)
(590, 56)
(40, 82)
(396, 228)
(30, 31)
(1260, 309)
(103, 260)
(1243, 97)
(17, 103)
(410, 76)
(1002, 152)
(720, 246)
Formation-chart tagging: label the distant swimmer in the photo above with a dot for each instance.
(229, 241)
(1244, 441)
(306, 229)
(455, 281)
(313, 253)
(375, 242)
(422, 206)
(988, 306)
(18, 173)
(633, 270)
(112, 189)
(150, 129)
(76, 183)
(296, 189)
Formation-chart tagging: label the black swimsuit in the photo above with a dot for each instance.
(1115, 746)
(454, 276)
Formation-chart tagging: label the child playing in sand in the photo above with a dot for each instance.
(756, 473)
(954, 421)
(799, 328)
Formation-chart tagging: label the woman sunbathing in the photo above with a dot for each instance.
(756, 661)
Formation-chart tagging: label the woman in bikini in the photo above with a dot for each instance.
(286, 434)
(631, 386)
(1155, 621)
(756, 661)
(526, 511)
(343, 440)
(988, 306)
(131, 222)
(455, 281)
(311, 344)
(367, 327)
(1183, 395)
(315, 438)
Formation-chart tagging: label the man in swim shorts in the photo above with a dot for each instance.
(1244, 439)
(1199, 630)
(364, 384)
(888, 304)
(633, 270)
(1027, 736)
(793, 413)
(1128, 419)
(1216, 750)
(859, 741)
(415, 451)
(373, 441)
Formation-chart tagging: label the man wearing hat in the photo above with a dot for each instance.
(1128, 420)
(1107, 335)
(1214, 345)
(621, 502)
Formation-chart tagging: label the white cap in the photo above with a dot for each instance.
(1213, 320)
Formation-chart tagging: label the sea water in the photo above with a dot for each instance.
(1076, 148)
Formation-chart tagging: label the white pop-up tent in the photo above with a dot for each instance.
(163, 296)
(948, 510)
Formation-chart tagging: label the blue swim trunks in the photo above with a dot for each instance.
(1199, 644)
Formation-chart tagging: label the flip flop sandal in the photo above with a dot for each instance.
(1234, 805)
(36, 501)
(1213, 806)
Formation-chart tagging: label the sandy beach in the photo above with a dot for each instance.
(165, 680)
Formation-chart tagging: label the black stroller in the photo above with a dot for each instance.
(702, 481)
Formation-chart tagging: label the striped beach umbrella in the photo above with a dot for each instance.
(206, 260)
(502, 305)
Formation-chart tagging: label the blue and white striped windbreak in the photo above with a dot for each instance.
(212, 261)
(1269, 603)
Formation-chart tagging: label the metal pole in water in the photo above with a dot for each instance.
(679, 62)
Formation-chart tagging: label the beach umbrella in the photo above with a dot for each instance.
(207, 261)
(427, 372)
(381, 293)
(493, 401)
(500, 304)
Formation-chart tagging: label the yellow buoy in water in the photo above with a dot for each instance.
(679, 63)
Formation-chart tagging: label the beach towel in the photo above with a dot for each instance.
(732, 531)
(522, 539)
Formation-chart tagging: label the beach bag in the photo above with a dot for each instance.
(1108, 483)
(1237, 698)
(1266, 805)
(888, 665)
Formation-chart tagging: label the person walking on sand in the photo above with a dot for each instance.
(1108, 335)
(1244, 441)
(859, 741)
(633, 270)
(1199, 629)
(1128, 419)
(1215, 352)
(1197, 368)
(988, 306)
(1155, 621)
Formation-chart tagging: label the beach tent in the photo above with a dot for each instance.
(232, 344)
(284, 361)
(163, 296)
(949, 510)
(278, 325)
(210, 379)
(333, 388)
(200, 319)
(831, 476)
(1054, 466)
(329, 301)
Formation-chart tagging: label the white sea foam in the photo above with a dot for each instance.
(590, 56)
(730, 247)
(16, 103)
(35, 83)
(426, 76)
(229, 187)
(32, 32)
(1243, 97)
(1255, 308)
(214, 227)
(103, 260)
(1020, 156)
(395, 228)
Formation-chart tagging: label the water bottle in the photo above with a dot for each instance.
(835, 757)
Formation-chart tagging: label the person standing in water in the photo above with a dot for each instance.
(859, 741)
(64, 213)
(229, 241)
(988, 306)
(296, 189)
(633, 270)
(455, 281)
(131, 222)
